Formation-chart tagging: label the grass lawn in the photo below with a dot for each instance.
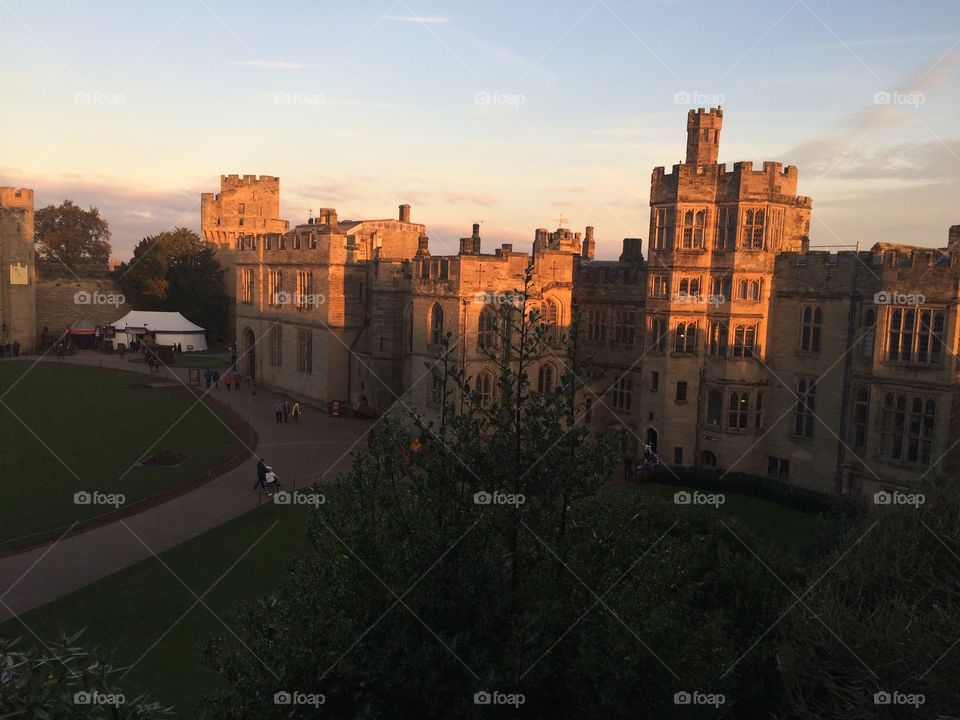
(131, 610)
(68, 428)
(200, 360)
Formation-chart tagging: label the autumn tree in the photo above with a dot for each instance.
(70, 235)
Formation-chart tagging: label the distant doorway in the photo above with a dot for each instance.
(249, 360)
(652, 439)
(708, 459)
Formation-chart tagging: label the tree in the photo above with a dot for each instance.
(177, 271)
(884, 619)
(63, 680)
(485, 560)
(70, 235)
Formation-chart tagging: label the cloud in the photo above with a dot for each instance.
(273, 65)
(471, 198)
(426, 19)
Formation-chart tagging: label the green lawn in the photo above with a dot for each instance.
(201, 360)
(68, 428)
(131, 610)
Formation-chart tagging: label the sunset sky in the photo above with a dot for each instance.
(137, 108)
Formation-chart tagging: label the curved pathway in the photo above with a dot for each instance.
(316, 445)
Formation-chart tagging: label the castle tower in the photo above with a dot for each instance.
(18, 300)
(703, 135)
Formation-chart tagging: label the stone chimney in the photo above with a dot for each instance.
(404, 213)
(475, 238)
(632, 250)
(423, 245)
(953, 244)
(466, 246)
(589, 246)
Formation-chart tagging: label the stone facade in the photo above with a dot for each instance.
(17, 268)
(729, 344)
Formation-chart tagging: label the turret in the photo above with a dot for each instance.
(703, 135)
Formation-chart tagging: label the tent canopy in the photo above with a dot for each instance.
(171, 328)
(82, 327)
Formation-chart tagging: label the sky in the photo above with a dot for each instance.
(508, 113)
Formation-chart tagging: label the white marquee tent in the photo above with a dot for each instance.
(170, 328)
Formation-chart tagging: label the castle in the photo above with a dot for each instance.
(17, 268)
(730, 344)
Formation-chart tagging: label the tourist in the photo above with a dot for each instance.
(236, 379)
(16, 348)
(208, 376)
(216, 378)
(261, 475)
(227, 380)
(295, 411)
(272, 481)
(286, 410)
(278, 410)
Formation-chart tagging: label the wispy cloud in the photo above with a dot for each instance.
(273, 65)
(426, 19)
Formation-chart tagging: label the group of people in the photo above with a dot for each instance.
(231, 378)
(283, 410)
(266, 478)
(10, 349)
(633, 467)
(153, 362)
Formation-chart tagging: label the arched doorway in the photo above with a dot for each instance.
(652, 439)
(708, 459)
(248, 362)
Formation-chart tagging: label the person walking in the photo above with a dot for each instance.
(278, 411)
(286, 410)
(216, 379)
(236, 379)
(208, 376)
(228, 380)
(295, 411)
(261, 475)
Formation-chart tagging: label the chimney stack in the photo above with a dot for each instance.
(423, 243)
(589, 246)
(404, 213)
(475, 238)
(953, 244)
(466, 246)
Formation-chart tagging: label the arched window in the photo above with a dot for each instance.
(547, 379)
(436, 324)
(487, 329)
(485, 388)
(803, 413)
(738, 415)
(753, 227)
(551, 320)
(685, 338)
(718, 337)
(695, 287)
(714, 407)
(744, 341)
(692, 236)
(811, 320)
(742, 290)
(684, 288)
(708, 459)
(756, 287)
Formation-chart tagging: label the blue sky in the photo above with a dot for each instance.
(139, 107)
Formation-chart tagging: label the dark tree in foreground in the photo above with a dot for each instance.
(62, 680)
(883, 626)
(432, 581)
(70, 235)
(177, 271)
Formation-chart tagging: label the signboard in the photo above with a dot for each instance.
(194, 376)
(18, 275)
(711, 438)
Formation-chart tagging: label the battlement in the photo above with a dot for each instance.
(720, 183)
(232, 182)
(11, 197)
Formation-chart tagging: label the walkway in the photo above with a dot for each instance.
(317, 445)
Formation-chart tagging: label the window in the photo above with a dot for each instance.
(276, 346)
(778, 468)
(742, 290)
(436, 324)
(626, 326)
(744, 341)
(726, 230)
(915, 337)
(246, 285)
(721, 288)
(692, 236)
(658, 333)
(678, 455)
(803, 413)
(304, 351)
(485, 388)
(663, 229)
(241, 208)
(708, 459)
(756, 290)
(714, 407)
(623, 393)
(550, 318)
(681, 391)
(659, 286)
(437, 390)
(869, 334)
(718, 338)
(240, 222)
(753, 222)
(861, 410)
(811, 319)
(654, 381)
(305, 296)
(758, 412)
(597, 325)
(738, 413)
(907, 428)
(546, 379)
(487, 329)
(685, 338)
(275, 287)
